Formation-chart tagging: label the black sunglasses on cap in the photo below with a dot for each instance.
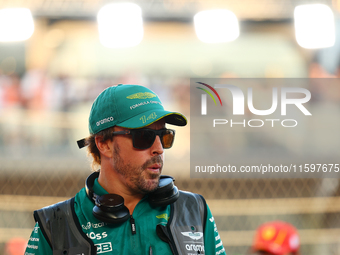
(144, 138)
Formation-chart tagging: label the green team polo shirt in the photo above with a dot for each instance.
(118, 238)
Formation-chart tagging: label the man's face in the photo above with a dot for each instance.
(138, 170)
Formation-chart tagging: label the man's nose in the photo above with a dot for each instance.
(157, 147)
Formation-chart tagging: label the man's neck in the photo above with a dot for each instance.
(112, 184)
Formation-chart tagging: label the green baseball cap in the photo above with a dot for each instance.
(129, 106)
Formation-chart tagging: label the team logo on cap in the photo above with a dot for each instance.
(141, 95)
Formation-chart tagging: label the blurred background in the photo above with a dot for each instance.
(67, 54)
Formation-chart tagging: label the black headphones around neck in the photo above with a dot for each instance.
(110, 208)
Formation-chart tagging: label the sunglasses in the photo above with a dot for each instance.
(144, 138)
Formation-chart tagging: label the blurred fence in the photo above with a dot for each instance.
(239, 206)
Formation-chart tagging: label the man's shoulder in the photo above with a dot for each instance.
(78, 197)
(192, 203)
(47, 210)
(63, 207)
(183, 195)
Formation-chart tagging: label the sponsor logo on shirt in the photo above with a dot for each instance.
(194, 247)
(35, 247)
(163, 216)
(93, 225)
(193, 235)
(104, 247)
(98, 236)
(220, 251)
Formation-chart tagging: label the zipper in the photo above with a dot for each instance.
(133, 225)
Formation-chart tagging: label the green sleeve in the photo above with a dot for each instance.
(37, 244)
(212, 242)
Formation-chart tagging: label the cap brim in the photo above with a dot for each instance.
(149, 117)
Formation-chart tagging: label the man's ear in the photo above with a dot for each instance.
(104, 146)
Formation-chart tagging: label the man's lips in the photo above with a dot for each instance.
(155, 167)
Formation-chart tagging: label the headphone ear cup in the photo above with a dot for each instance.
(110, 208)
(166, 193)
(89, 185)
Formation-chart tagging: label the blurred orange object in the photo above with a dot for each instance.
(16, 246)
(276, 237)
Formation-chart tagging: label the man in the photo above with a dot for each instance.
(127, 207)
(276, 238)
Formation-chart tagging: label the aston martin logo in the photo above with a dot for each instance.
(141, 95)
(193, 235)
